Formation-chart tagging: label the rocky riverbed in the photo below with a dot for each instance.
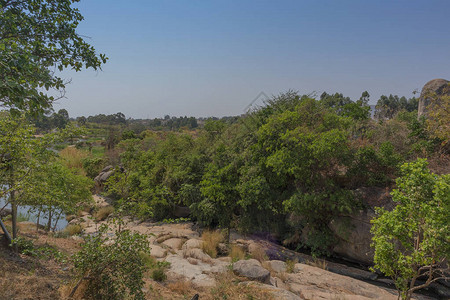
(283, 273)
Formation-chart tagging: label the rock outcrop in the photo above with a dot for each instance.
(432, 91)
(353, 231)
(102, 177)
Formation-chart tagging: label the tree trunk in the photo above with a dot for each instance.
(49, 223)
(12, 200)
(56, 222)
(37, 221)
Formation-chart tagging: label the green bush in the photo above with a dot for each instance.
(112, 268)
(92, 166)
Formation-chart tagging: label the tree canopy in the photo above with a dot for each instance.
(37, 38)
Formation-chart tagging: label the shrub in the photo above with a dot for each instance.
(24, 246)
(103, 213)
(112, 268)
(211, 240)
(159, 270)
(290, 265)
(92, 166)
(73, 158)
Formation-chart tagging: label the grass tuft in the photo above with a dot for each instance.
(103, 213)
(236, 253)
(211, 240)
(73, 229)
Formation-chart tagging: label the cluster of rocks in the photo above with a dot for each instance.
(182, 246)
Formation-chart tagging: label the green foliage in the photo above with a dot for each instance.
(296, 156)
(54, 189)
(413, 239)
(113, 267)
(93, 166)
(35, 38)
(159, 270)
(26, 247)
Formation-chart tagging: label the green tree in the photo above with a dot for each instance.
(17, 149)
(35, 37)
(413, 240)
(53, 189)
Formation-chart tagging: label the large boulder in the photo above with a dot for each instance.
(353, 231)
(315, 283)
(432, 91)
(252, 269)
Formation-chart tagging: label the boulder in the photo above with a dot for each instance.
(157, 251)
(277, 266)
(107, 168)
(432, 91)
(252, 269)
(197, 254)
(192, 243)
(104, 176)
(173, 243)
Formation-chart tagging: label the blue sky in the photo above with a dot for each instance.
(212, 58)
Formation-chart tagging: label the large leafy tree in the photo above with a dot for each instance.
(36, 39)
(412, 241)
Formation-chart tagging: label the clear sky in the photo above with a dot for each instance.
(212, 58)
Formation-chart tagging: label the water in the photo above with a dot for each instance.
(24, 211)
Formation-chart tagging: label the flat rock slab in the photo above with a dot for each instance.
(278, 293)
(252, 269)
(315, 283)
(197, 274)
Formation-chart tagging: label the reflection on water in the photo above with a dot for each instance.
(32, 216)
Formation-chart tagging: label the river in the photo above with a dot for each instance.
(24, 211)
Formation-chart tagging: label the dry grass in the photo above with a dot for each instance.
(73, 229)
(229, 287)
(103, 213)
(237, 253)
(211, 240)
(181, 287)
(259, 254)
(73, 158)
(318, 263)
